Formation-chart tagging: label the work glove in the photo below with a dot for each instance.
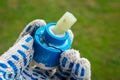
(15, 63)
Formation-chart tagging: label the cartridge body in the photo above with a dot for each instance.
(48, 46)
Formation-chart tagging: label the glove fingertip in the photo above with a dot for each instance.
(69, 56)
(67, 61)
(81, 69)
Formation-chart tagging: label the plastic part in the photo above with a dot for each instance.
(64, 23)
(48, 47)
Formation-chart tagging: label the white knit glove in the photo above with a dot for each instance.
(14, 63)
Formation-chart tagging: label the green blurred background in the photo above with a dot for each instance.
(97, 34)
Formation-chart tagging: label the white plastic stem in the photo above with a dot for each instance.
(64, 23)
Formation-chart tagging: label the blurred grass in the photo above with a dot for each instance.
(96, 31)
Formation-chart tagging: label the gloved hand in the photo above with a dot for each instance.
(15, 63)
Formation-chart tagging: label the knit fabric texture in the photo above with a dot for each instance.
(15, 62)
